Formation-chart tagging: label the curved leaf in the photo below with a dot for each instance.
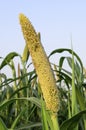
(30, 125)
(61, 62)
(34, 100)
(70, 51)
(71, 123)
(8, 58)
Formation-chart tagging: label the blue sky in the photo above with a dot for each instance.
(56, 20)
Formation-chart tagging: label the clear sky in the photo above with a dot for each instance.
(55, 19)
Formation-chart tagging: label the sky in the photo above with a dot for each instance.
(56, 20)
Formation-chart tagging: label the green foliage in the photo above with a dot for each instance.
(72, 122)
(2, 125)
(21, 102)
(8, 58)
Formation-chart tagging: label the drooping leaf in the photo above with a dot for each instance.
(8, 58)
(34, 100)
(30, 125)
(71, 123)
(61, 62)
(60, 50)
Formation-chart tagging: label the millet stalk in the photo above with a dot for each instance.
(42, 65)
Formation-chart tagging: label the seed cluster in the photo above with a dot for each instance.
(41, 64)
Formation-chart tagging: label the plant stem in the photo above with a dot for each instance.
(55, 121)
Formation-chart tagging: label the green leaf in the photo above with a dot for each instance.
(10, 80)
(61, 62)
(34, 100)
(28, 126)
(8, 58)
(60, 50)
(74, 100)
(80, 98)
(2, 125)
(26, 53)
(71, 123)
(69, 60)
(44, 117)
(17, 118)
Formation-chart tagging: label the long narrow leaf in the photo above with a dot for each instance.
(67, 50)
(8, 58)
(2, 125)
(71, 123)
(28, 126)
(31, 99)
